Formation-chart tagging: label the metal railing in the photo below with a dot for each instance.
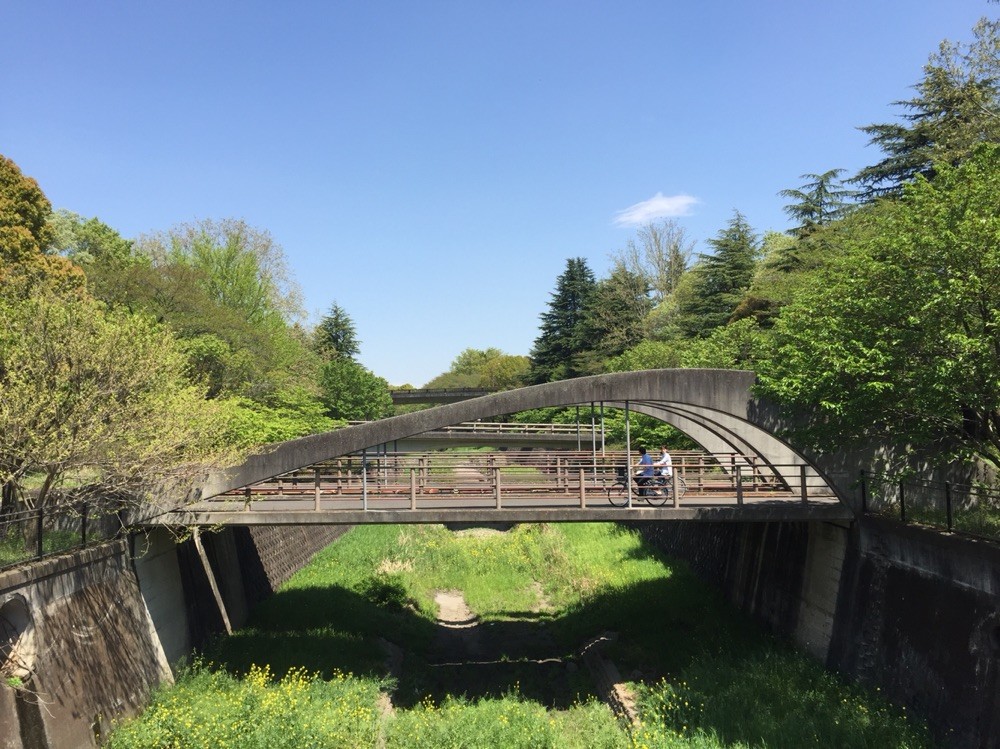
(542, 476)
(29, 534)
(958, 508)
(504, 428)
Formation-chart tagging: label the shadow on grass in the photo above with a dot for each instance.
(323, 630)
(674, 627)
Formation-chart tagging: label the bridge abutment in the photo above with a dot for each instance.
(911, 611)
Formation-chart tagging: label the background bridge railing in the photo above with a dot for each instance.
(959, 508)
(501, 428)
(29, 534)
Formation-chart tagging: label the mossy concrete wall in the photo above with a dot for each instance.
(107, 623)
(911, 611)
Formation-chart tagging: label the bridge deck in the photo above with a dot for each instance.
(515, 487)
(519, 509)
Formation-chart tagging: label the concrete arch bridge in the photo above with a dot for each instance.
(745, 471)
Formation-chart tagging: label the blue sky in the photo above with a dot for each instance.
(430, 166)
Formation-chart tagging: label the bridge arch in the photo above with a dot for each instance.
(716, 408)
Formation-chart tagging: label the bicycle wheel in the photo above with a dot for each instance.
(617, 494)
(682, 486)
(656, 494)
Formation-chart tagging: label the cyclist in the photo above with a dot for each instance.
(666, 465)
(646, 470)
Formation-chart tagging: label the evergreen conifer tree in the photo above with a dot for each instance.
(722, 278)
(564, 332)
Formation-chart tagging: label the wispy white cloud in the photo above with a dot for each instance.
(658, 206)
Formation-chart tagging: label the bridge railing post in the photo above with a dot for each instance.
(902, 502)
(583, 491)
(803, 489)
(675, 484)
(496, 487)
(738, 478)
(317, 489)
(413, 488)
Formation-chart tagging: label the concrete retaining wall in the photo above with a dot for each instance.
(911, 611)
(108, 622)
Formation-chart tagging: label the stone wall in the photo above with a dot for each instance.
(911, 611)
(93, 654)
(107, 623)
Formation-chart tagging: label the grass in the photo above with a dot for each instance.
(14, 548)
(706, 675)
(980, 520)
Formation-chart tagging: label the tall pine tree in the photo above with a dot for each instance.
(557, 352)
(721, 279)
(957, 106)
(335, 336)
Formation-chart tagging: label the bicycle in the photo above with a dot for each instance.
(656, 490)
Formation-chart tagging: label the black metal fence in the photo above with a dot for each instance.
(958, 508)
(36, 533)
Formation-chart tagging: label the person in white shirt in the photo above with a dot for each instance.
(666, 465)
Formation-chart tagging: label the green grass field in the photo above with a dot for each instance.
(308, 669)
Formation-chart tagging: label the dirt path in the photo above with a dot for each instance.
(459, 636)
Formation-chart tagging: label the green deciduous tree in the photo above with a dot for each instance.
(24, 215)
(26, 234)
(660, 254)
(94, 394)
(349, 391)
(563, 339)
(88, 241)
(900, 337)
(483, 368)
(647, 355)
(241, 267)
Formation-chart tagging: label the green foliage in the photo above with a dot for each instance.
(505, 372)
(240, 267)
(721, 279)
(509, 721)
(24, 215)
(720, 682)
(720, 698)
(208, 708)
(647, 355)
(285, 415)
(351, 392)
(563, 339)
(335, 337)
(819, 202)
(617, 312)
(659, 255)
(957, 107)
(484, 368)
(25, 235)
(89, 241)
(88, 389)
(739, 345)
(899, 338)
